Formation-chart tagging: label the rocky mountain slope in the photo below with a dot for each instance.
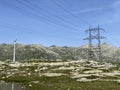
(36, 52)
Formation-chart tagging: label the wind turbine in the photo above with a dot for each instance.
(14, 50)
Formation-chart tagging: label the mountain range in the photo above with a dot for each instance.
(39, 52)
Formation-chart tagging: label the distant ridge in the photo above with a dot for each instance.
(37, 52)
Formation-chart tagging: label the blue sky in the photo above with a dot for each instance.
(58, 22)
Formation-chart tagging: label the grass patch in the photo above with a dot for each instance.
(110, 77)
(66, 83)
(61, 71)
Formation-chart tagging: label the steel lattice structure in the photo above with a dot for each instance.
(94, 34)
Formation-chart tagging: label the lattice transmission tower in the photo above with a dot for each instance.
(94, 34)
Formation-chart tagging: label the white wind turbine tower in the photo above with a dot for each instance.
(14, 50)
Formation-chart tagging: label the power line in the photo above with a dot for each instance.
(37, 7)
(27, 30)
(33, 14)
(67, 11)
(16, 27)
(46, 17)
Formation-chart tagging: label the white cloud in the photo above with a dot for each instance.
(88, 10)
(113, 17)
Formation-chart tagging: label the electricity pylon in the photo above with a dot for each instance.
(94, 34)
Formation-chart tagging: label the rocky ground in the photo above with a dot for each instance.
(58, 75)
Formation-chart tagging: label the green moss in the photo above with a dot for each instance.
(66, 83)
(62, 71)
(62, 83)
(100, 85)
(110, 77)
